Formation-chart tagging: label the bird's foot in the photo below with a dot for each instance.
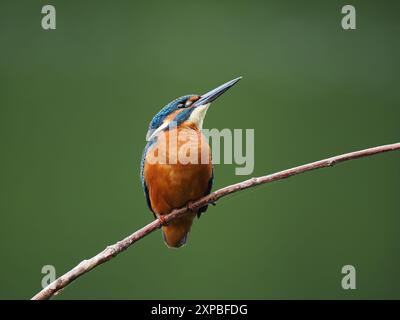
(191, 207)
(162, 220)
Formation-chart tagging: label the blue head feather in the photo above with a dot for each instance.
(168, 109)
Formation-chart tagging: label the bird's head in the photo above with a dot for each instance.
(190, 108)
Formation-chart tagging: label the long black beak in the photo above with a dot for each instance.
(215, 93)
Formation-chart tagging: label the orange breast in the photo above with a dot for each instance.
(173, 184)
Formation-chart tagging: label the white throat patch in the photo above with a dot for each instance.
(198, 115)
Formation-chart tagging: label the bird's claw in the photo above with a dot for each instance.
(162, 220)
(191, 207)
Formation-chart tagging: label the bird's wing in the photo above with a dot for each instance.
(144, 185)
(146, 192)
(209, 187)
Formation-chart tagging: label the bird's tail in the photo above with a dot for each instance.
(175, 234)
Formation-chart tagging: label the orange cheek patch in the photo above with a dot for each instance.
(194, 98)
(172, 116)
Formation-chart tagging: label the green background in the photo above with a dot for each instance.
(75, 104)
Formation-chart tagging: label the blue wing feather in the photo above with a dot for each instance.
(209, 187)
(144, 185)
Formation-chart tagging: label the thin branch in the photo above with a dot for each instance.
(113, 250)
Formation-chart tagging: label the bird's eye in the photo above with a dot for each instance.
(181, 105)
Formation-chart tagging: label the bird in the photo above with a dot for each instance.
(169, 182)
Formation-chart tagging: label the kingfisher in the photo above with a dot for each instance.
(176, 167)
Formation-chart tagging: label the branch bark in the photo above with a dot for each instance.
(115, 249)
